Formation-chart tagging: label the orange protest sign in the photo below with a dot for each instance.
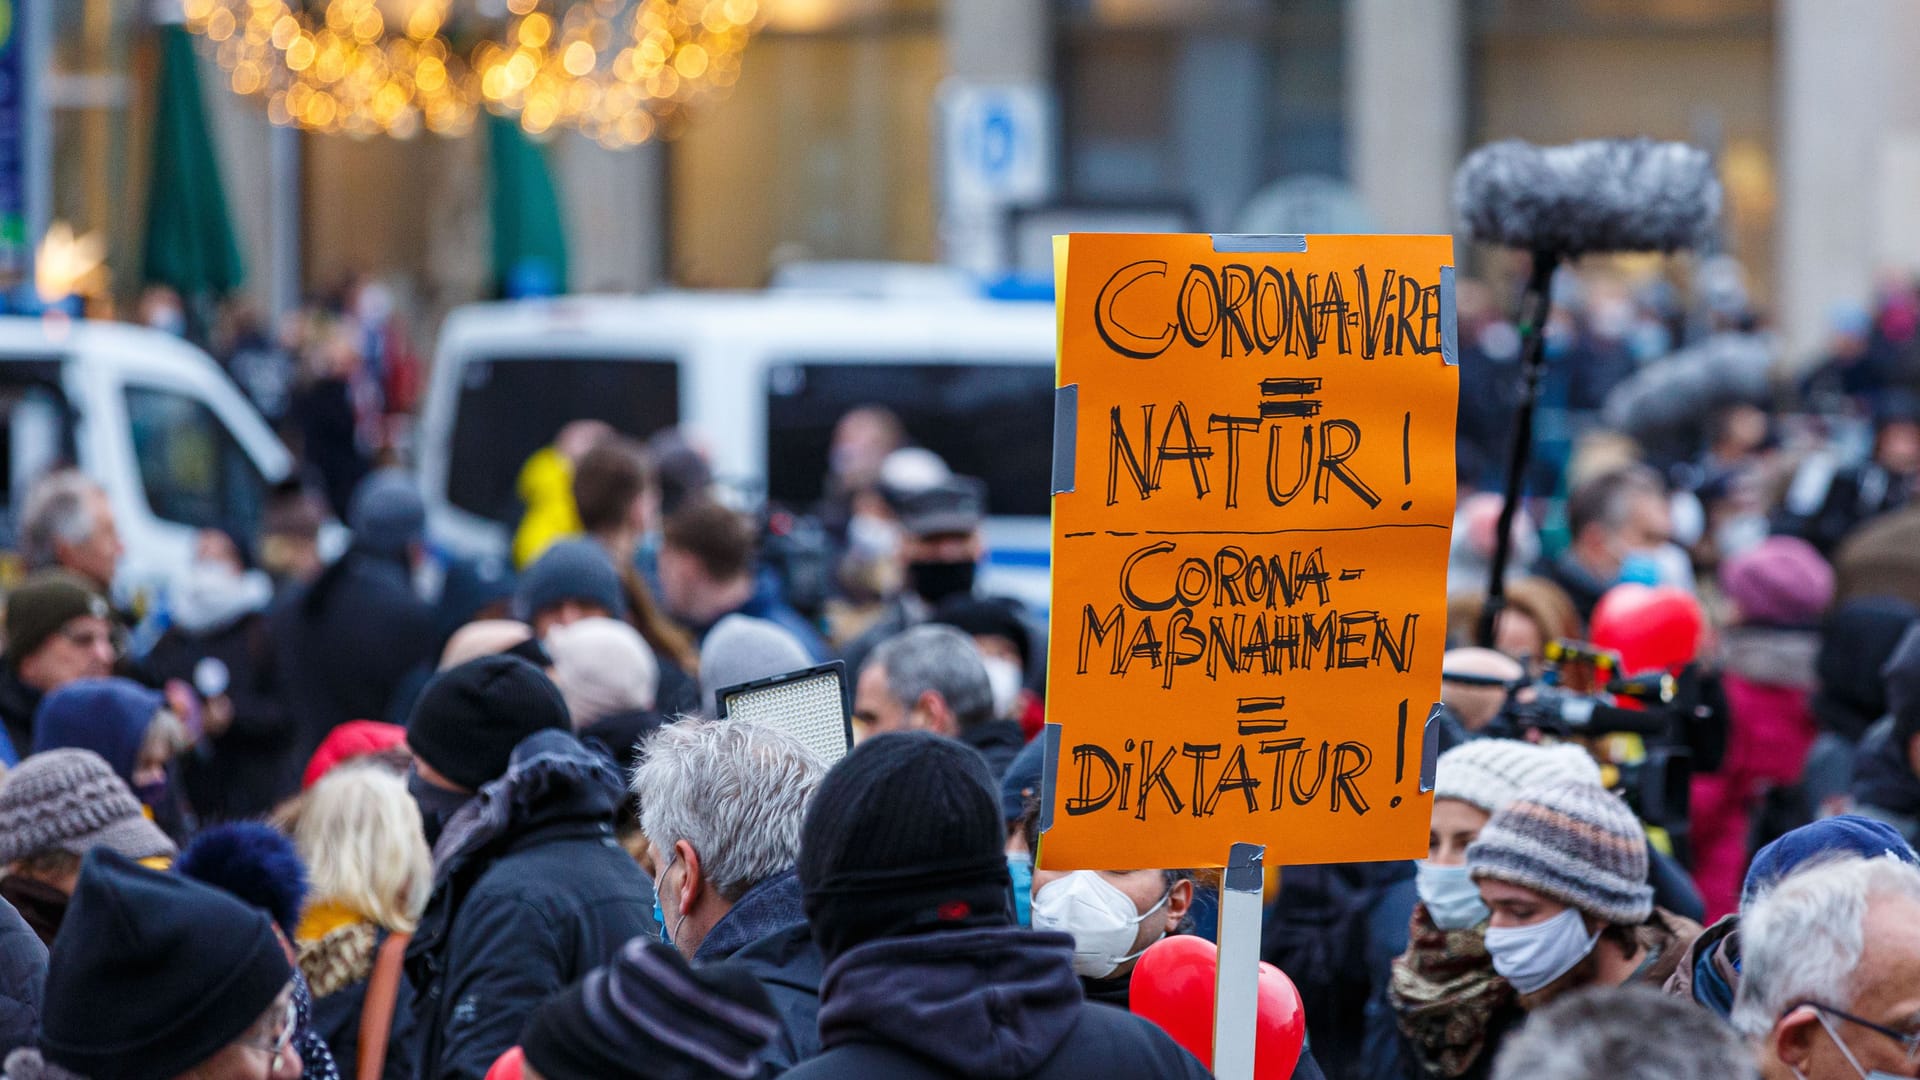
(1254, 488)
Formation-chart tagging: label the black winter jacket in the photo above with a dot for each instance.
(999, 741)
(766, 932)
(247, 770)
(349, 644)
(531, 892)
(990, 1004)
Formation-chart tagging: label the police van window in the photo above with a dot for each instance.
(510, 408)
(993, 421)
(36, 433)
(192, 470)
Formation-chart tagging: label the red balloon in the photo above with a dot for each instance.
(1173, 986)
(509, 1066)
(1651, 627)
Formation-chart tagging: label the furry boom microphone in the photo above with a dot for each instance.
(1562, 202)
(1604, 195)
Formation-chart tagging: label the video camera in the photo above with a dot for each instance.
(1579, 696)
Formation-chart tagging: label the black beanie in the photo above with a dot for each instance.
(153, 973)
(648, 1015)
(470, 718)
(904, 836)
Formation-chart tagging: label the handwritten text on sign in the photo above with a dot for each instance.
(1249, 571)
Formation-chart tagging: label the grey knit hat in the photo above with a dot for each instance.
(1577, 843)
(70, 800)
(740, 649)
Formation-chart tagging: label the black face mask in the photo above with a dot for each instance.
(935, 581)
(437, 804)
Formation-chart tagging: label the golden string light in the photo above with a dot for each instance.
(621, 71)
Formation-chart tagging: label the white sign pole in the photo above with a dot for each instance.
(1236, 997)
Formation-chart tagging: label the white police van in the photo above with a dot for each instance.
(153, 419)
(758, 379)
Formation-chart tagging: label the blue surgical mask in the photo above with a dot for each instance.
(659, 914)
(1452, 899)
(1020, 869)
(1532, 957)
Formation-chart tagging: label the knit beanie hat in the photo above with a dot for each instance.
(649, 1016)
(107, 716)
(42, 605)
(602, 667)
(579, 570)
(153, 973)
(1490, 773)
(740, 649)
(1834, 837)
(1577, 843)
(1783, 581)
(469, 718)
(904, 836)
(351, 740)
(69, 800)
(387, 515)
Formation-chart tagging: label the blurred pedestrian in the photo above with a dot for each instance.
(932, 678)
(530, 891)
(1564, 870)
(359, 740)
(355, 644)
(161, 976)
(742, 649)
(216, 657)
(58, 631)
(54, 808)
(1856, 641)
(67, 524)
(1624, 1033)
(487, 637)
(1886, 764)
(1779, 590)
(1610, 517)
(941, 545)
(1881, 484)
(545, 486)
(369, 876)
(131, 727)
(905, 885)
(609, 679)
(332, 413)
(1006, 642)
(618, 499)
(722, 803)
(646, 1015)
(290, 535)
(1828, 960)
(708, 571)
(23, 979)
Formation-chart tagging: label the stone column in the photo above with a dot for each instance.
(1406, 109)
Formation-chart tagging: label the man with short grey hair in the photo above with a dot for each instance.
(1830, 972)
(933, 678)
(721, 802)
(1623, 1033)
(68, 523)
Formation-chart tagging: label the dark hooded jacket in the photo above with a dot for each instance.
(531, 891)
(1884, 786)
(349, 644)
(23, 975)
(999, 741)
(1855, 644)
(766, 932)
(994, 1003)
(247, 770)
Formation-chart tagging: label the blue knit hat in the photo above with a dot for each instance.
(1834, 837)
(570, 570)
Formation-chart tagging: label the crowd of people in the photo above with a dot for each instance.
(390, 813)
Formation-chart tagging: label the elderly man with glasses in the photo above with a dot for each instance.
(1830, 972)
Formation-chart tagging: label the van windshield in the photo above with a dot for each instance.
(990, 420)
(510, 407)
(192, 469)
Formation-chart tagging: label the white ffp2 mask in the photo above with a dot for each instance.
(1100, 917)
(1531, 957)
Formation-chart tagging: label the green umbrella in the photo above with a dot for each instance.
(189, 243)
(529, 241)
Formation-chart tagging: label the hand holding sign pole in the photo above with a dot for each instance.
(1253, 491)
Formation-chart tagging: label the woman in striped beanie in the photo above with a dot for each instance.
(1564, 870)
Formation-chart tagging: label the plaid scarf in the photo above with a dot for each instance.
(1446, 994)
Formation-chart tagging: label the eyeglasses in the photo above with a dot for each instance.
(280, 1033)
(1909, 1041)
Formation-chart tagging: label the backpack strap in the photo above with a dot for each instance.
(376, 1012)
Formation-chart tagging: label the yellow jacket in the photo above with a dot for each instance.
(546, 488)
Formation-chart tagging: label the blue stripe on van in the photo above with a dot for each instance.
(1037, 559)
